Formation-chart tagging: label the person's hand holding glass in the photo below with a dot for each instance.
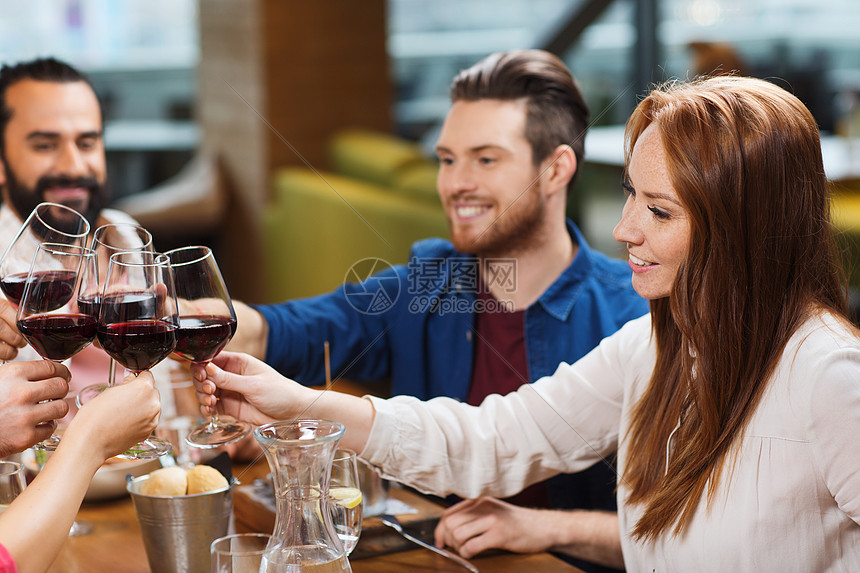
(107, 241)
(48, 314)
(138, 320)
(207, 322)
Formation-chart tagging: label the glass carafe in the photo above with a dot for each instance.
(304, 539)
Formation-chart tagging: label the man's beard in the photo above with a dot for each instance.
(517, 230)
(24, 199)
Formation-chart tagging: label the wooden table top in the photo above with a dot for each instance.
(115, 545)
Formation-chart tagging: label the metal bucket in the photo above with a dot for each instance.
(177, 531)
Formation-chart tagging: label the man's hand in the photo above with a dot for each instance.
(476, 525)
(31, 400)
(10, 339)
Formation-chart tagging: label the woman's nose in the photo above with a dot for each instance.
(626, 230)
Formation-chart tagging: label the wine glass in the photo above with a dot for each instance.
(48, 313)
(108, 240)
(12, 483)
(137, 322)
(47, 223)
(207, 322)
(345, 500)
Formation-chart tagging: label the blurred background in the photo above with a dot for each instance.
(293, 136)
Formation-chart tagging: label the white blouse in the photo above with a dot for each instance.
(788, 501)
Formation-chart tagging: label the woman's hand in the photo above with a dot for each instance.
(118, 418)
(249, 389)
(252, 391)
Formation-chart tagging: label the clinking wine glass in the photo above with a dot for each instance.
(48, 313)
(207, 322)
(107, 241)
(137, 323)
(47, 223)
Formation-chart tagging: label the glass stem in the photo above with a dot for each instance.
(111, 373)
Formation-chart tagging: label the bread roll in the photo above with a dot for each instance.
(204, 478)
(165, 482)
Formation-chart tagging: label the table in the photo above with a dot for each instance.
(116, 545)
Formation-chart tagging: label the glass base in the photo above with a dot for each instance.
(48, 445)
(88, 393)
(80, 528)
(214, 434)
(151, 447)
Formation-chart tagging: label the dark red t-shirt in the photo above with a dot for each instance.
(500, 366)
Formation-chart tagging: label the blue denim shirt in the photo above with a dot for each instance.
(413, 323)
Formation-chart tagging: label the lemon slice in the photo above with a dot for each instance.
(348, 497)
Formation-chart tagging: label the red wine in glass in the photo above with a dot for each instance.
(52, 289)
(126, 306)
(13, 287)
(108, 240)
(137, 323)
(200, 338)
(47, 223)
(48, 315)
(140, 344)
(58, 336)
(207, 322)
(90, 305)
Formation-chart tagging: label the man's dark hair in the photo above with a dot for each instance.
(556, 111)
(41, 69)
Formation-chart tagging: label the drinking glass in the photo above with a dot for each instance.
(109, 240)
(207, 322)
(12, 483)
(138, 320)
(48, 313)
(239, 553)
(345, 499)
(48, 223)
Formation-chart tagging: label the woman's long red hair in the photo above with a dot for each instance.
(745, 158)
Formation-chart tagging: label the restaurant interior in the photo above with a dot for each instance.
(295, 138)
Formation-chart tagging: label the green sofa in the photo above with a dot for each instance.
(320, 226)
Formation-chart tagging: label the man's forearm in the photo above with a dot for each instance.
(252, 331)
(589, 535)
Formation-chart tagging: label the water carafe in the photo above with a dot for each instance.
(300, 454)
